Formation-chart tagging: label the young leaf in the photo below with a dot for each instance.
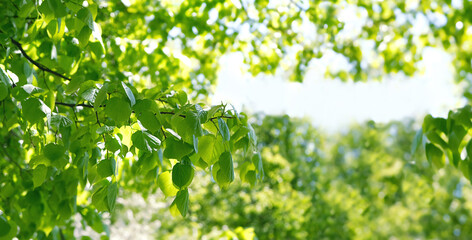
(34, 110)
(435, 155)
(101, 96)
(224, 129)
(149, 121)
(226, 173)
(118, 109)
(129, 93)
(3, 91)
(54, 151)
(39, 175)
(112, 144)
(182, 175)
(145, 141)
(166, 185)
(4, 226)
(176, 149)
(106, 167)
(112, 192)
(180, 203)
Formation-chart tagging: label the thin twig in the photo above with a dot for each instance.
(74, 105)
(98, 121)
(37, 64)
(167, 113)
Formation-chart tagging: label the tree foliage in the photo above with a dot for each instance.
(88, 109)
(98, 96)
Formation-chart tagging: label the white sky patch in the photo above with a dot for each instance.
(334, 105)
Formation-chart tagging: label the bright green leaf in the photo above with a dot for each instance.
(224, 130)
(166, 185)
(39, 175)
(180, 203)
(34, 110)
(129, 93)
(435, 155)
(182, 175)
(118, 109)
(112, 192)
(145, 141)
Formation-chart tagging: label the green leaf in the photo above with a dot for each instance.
(145, 141)
(195, 143)
(435, 155)
(101, 96)
(54, 151)
(417, 141)
(257, 161)
(180, 203)
(210, 148)
(252, 135)
(212, 111)
(3, 90)
(89, 94)
(60, 121)
(182, 175)
(188, 126)
(182, 96)
(34, 110)
(149, 121)
(225, 175)
(129, 93)
(166, 185)
(105, 129)
(4, 226)
(176, 149)
(84, 36)
(112, 192)
(74, 83)
(86, 17)
(144, 105)
(106, 167)
(112, 144)
(99, 196)
(118, 109)
(224, 129)
(4, 77)
(39, 175)
(57, 8)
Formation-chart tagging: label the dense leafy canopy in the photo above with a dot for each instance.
(90, 107)
(99, 96)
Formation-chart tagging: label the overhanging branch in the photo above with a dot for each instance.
(37, 64)
(90, 106)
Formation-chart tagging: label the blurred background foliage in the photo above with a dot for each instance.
(364, 183)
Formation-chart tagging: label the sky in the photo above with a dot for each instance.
(334, 105)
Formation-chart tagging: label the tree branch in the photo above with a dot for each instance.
(37, 64)
(167, 113)
(74, 105)
(90, 106)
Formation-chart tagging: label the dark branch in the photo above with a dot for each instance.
(172, 113)
(228, 117)
(90, 106)
(37, 64)
(74, 105)
(167, 113)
